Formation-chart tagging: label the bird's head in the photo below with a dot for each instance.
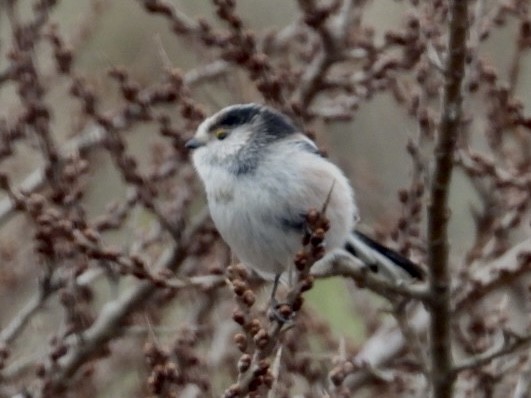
(238, 135)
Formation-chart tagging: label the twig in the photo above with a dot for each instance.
(493, 275)
(275, 372)
(343, 264)
(332, 38)
(110, 322)
(94, 135)
(90, 137)
(13, 328)
(524, 381)
(413, 341)
(384, 345)
(442, 377)
(513, 344)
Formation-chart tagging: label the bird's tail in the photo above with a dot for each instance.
(381, 259)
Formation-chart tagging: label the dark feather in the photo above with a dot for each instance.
(295, 223)
(238, 116)
(275, 124)
(400, 261)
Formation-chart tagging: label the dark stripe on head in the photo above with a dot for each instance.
(238, 116)
(267, 126)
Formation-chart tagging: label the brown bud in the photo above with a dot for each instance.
(261, 338)
(231, 272)
(307, 283)
(241, 341)
(233, 391)
(268, 380)
(238, 316)
(403, 195)
(325, 224)
(239, 287)
(312, 217)
(254, 326)
(253, 386)
(318, 252)
(301, 259)
(297, 304)
(261, 368)
(244, 363)
(285, 311)
(317, 237)
(337, 376)
(248, 298)
(236, 271)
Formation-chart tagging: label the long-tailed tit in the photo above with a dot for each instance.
(262, 176)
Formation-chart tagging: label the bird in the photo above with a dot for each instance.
(262, 175)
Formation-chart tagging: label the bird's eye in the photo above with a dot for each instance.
(221, 133)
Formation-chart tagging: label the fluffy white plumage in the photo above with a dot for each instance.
(261, 176)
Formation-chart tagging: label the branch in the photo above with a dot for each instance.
(17, 324)
(388, 342)
(510, 344)
(110, 322)
(332, 39)
(255, 370)
(94, 135)
(385, 344)
(339, 264)
(524, 381)
(491, 276)
(442, 377)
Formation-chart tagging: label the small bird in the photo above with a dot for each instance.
(261, 176)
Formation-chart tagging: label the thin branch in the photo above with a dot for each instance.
(94, 135)
(410, 335)
(110, 323)
(339, 264)
(332, 37)
(17, 324)
(442, 377)
(510, 344)
(524, 382)
(385, 344)
(90, 137)
(488, 277)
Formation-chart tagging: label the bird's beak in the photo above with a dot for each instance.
(193, 143)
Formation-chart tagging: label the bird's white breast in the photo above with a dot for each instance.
(248, 210)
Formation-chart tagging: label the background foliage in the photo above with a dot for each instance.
(113, 281)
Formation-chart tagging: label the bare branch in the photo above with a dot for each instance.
(510, 344)
(110, 322)
(94, 135)
(343, 264)
(442, 378)
(17, 324)
(332, 34)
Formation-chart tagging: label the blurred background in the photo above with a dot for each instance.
(372, 105)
